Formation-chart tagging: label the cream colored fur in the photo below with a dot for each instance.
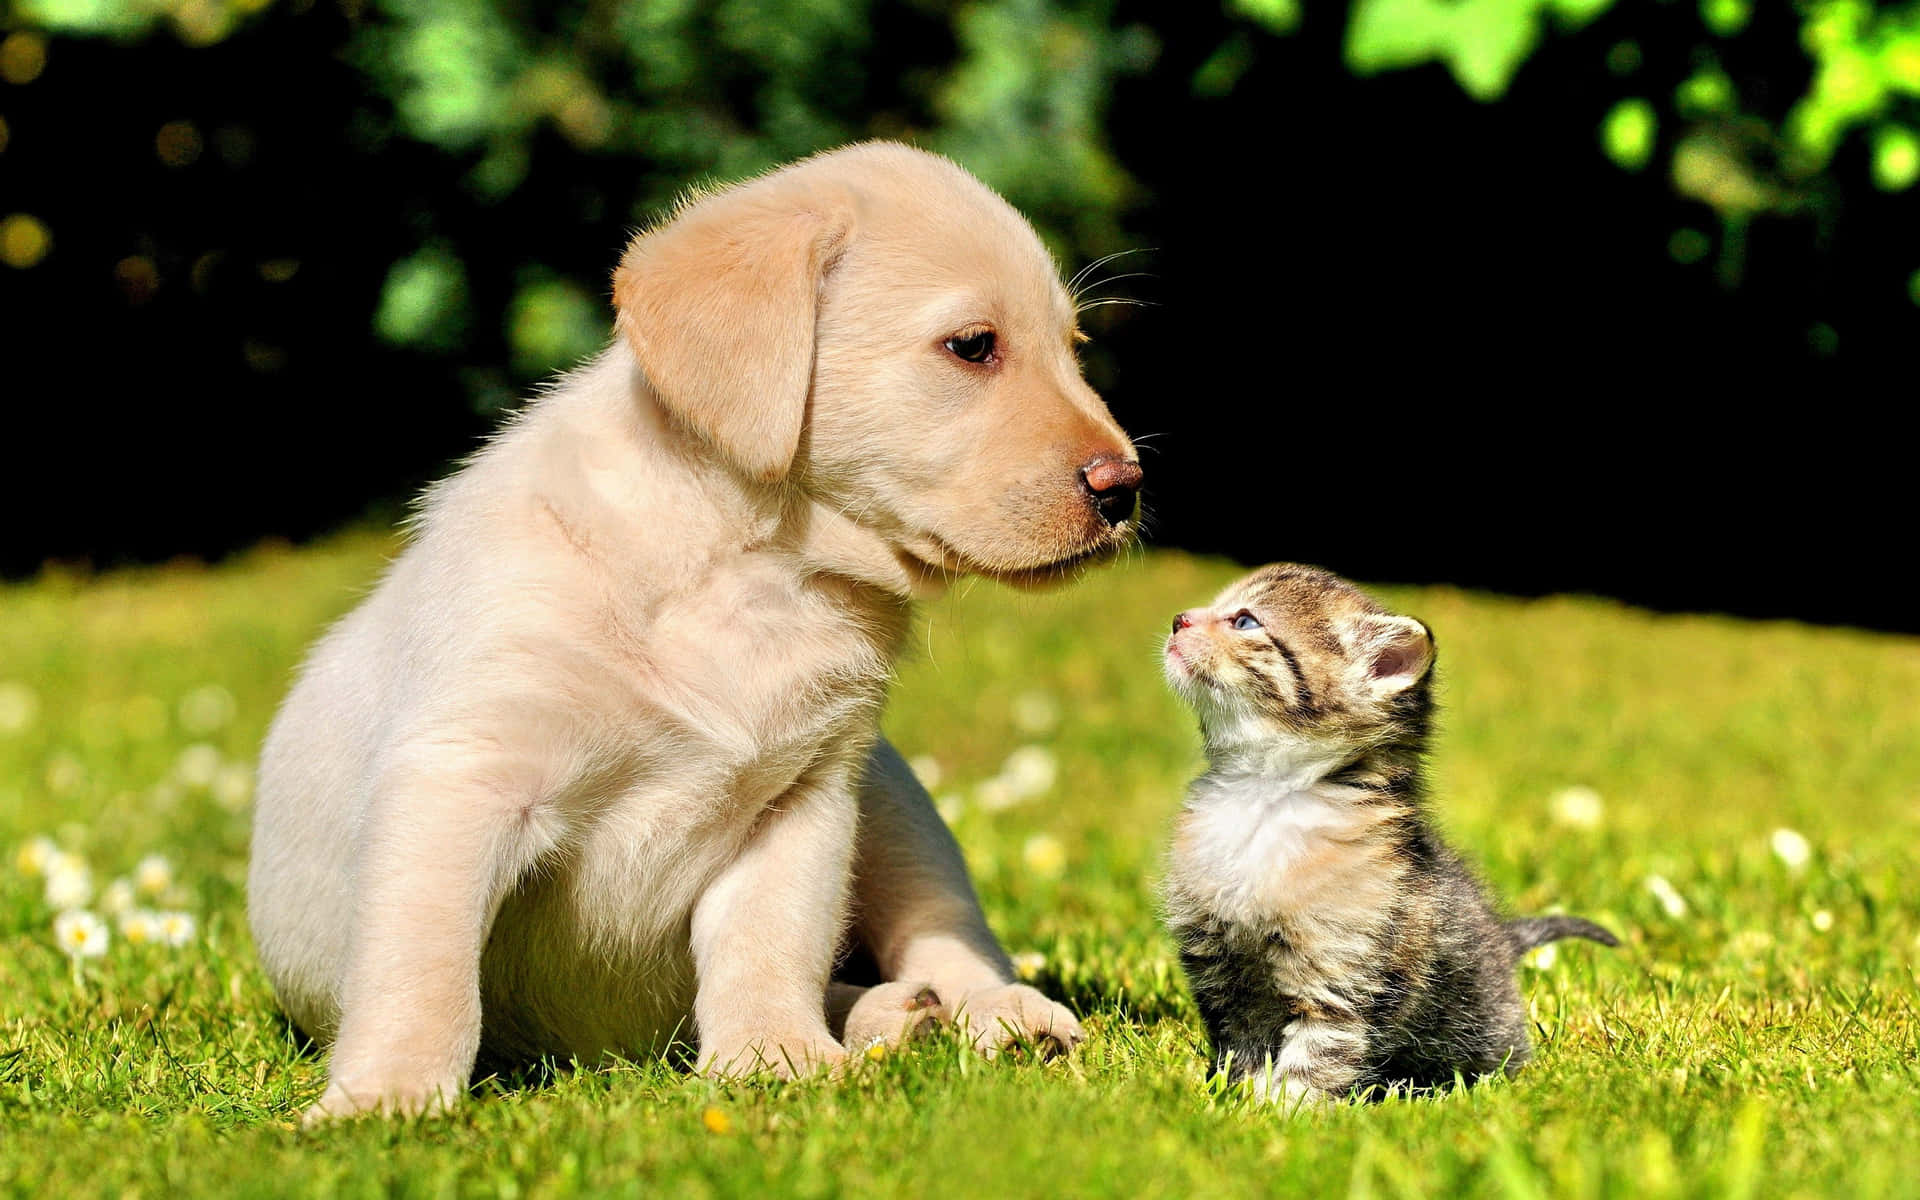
(596, 762)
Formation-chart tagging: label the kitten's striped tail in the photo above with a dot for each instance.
(1527, 932)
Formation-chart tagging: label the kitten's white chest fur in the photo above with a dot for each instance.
(1241, 838)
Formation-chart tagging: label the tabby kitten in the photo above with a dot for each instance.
(1334, 943)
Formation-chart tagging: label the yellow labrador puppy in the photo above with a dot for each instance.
(597, 761)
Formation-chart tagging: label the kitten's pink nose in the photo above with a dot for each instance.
(1182, 621)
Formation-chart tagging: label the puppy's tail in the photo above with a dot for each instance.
(1527, 932)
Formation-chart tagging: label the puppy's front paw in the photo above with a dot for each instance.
(892, 1013)
(784, 1056)
(1015, 1014)
(392, 1098)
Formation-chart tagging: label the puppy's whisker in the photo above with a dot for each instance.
(1083, 293)
(1083, 273)
(1106, 300)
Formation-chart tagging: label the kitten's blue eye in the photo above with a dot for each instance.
(1245, 620)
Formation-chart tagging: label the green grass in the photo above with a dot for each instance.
(1736, 1049)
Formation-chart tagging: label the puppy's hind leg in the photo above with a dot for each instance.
(443, 843)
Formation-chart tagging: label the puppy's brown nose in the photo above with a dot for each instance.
(1113, 483)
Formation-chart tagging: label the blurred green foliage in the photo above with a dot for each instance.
(1018, 90)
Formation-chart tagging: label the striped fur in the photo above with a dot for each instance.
(1335, 945)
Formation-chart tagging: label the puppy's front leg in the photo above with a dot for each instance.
(765, 932)
(918, 915)
(441, 847)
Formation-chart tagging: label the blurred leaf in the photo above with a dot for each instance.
(1688, 246)
(1483, 42)
(424, 301)
(1023, 109)
(1278, 16)
(1221, 73)
(1726, 17)
(1706, 92)
(1627, 134)
(554, 324)
(109, 17)
(1896, 158)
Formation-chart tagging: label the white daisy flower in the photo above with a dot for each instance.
(1542, 958)
(1669, 897)
(140, 926)
(926, 768)
(153, 875)
(1044, 856)
(206, 708)
(65, 774)
(1030, 771)
(175, 928)
(18, 707)
(996, 794)
(81, 934)
(1791, 848)
(69, 883)
(1751, 943)
(35, 855)
(1578, 808)
(1028, 964)
(232, 786)
(119, 897)
(197, 765)
(1035, 713)
(1822, 920)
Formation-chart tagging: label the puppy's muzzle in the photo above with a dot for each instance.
(1113, 484)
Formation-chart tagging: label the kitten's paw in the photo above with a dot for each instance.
(357, 1097)
(783, 1056)
(1015, 1015)
(892, 1013)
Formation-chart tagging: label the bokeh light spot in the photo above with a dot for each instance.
(1896, 158)
(279, 270)
(178, 143)
(23, 55)
(1627, 134)
(138, 277)
(1688, 246)
(263, 357)
(1726, 17)
(1706, 92)
(202, 22)
(554, 324)
(423, 302)
(24, 240)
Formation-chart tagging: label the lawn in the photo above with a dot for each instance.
(1740, 801)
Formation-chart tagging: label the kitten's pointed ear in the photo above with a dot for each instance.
(1397, 651)
(719, 306)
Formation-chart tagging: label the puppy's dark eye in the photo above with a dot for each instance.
(1245, 620)
(974, 346)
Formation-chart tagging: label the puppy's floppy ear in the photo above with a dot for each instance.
(719, 306)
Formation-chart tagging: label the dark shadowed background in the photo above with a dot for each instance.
(1567, 295)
